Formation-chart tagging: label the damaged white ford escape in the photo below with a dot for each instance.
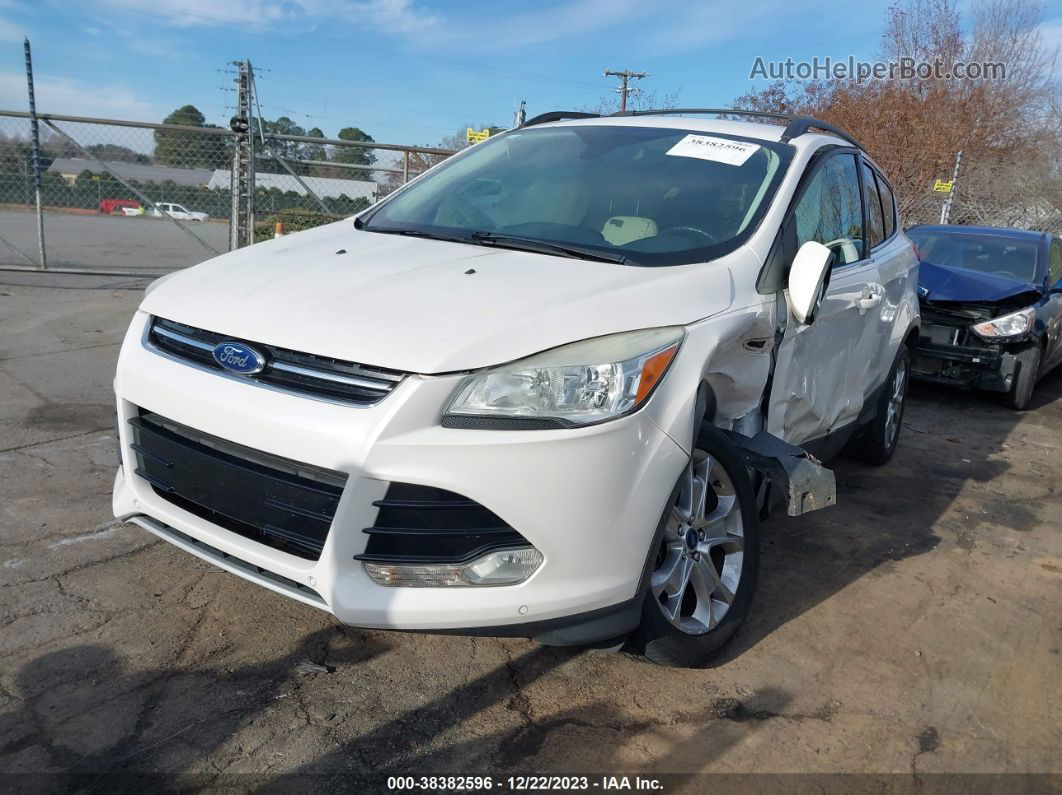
(548, 389)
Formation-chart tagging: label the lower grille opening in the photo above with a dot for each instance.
(421, 524)
(274, 501)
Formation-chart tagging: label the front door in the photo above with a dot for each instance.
(821, 368)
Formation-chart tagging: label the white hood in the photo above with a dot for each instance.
(412, 304)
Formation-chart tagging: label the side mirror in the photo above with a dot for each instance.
(807, 274)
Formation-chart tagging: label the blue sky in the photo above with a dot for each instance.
(410, 71)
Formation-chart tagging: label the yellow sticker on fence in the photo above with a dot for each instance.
(940, 186)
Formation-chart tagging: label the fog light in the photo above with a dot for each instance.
(504, 567)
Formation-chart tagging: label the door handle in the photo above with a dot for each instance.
(868, 302)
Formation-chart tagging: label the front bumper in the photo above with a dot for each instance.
(588, 499)
(970, 367)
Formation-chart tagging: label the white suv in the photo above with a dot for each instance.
(547, 389)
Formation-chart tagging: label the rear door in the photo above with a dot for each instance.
(887, 316)
(821, 368)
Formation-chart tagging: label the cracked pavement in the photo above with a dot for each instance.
(912, 629)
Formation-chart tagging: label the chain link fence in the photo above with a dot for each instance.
(1018, 195)
(133, 196)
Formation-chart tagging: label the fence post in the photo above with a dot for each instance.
(35, 135)
(405, 167)
(945, 210)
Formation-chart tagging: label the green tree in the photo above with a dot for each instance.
(314, 151)
(117, 152)
(355, 155)
(189, 149)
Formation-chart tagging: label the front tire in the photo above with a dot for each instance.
(704, 574)
(1028, 371)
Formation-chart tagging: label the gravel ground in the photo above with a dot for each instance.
(913, 629)
(109, 242)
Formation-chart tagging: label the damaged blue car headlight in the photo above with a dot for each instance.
(1013, 325)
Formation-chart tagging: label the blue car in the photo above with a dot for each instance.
(991, 303)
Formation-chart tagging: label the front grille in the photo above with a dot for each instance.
(275, 501)
(292, 371)
(420, 524)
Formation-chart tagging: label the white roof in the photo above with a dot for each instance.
(325, 187)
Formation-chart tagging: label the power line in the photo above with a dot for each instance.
(625, 76)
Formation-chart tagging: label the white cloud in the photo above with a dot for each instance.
(75, 98)
(10, 31)
(191, 13)
(391, 16)
(554, 22)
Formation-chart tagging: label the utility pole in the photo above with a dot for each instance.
(36, 142)
(521, 114)
(945, 210)
(625, 76)
(241, 219)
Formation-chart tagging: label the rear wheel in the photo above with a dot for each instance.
(1028, 370)
(704, 572)
(877, 442)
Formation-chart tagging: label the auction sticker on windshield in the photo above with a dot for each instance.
(720, 150)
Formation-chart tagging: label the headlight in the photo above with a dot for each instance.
(1011, 325)
(578, 384)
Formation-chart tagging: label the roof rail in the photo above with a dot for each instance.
(559, 115)
(796, 126)
(705, 111)
(802, 124)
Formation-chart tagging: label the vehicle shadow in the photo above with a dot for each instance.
(92, 725)
(949, 440)
(86, 686)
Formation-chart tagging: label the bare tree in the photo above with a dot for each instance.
(638, 99)
(915, 126)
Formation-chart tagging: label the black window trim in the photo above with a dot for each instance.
(895, 211)
(764, 284)
(834, 152)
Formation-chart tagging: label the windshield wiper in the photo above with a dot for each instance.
(542, 247)
(412, 233)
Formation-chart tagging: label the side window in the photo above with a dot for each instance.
(1054, 264)
(830, 212)
(888, 205)
(875, 220)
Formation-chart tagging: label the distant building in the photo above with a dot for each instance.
(69, 168)
(324, 187)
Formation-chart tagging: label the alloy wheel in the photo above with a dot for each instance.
(894, 407)
(698, 566)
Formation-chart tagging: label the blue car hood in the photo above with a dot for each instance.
(942, 283)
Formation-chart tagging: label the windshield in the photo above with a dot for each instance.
(645, 195)
(1001, 256)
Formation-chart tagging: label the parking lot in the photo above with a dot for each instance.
(106, 242)
(912, 629)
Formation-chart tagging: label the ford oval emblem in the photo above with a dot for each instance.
(239, 358)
